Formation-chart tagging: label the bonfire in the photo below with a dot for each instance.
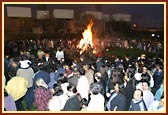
(86, 42)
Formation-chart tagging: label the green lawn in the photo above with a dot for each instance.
(134, 53)
(25, 106)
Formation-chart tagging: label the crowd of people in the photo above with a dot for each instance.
(51, 81)
(13, 47)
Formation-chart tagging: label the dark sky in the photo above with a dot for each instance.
(145, 15)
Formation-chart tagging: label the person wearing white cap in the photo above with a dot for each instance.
(42, 95)
(26, 71)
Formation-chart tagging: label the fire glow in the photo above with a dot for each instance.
(86, 41)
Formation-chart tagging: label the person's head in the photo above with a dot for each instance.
(40, 82)
(143, 56)
(86, 66)
(127, 56)
(74, 63)
(39, 50)
(75, 69)
(61, 79)
(82, 71)
(116, 87)
(57, 90)
(66, 67)
(62, 60)
(14, 63)
(84, 102)
(159, 66)
(138, 94)
(98, 76)
(140, 70)
(145, 85)
(82, 58)
(41, 66)
(145, 69)
(59, 49)
(126, 77)
(98, 59)
(71, 90)
(95, 88)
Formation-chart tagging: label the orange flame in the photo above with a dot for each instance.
(86, 41)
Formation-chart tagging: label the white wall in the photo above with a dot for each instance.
(121, 17)
(61, 13)
(97, 15)
(18, 11)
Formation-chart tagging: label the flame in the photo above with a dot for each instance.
(86, 41)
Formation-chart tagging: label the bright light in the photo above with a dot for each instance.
(134, 25)
(153, 35)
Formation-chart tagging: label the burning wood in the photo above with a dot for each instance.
(86, 41)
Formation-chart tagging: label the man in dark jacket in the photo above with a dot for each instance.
(158, 77)
(128, 89)
(117, 101)
(98, 78)
(137, 103)
(73, 103)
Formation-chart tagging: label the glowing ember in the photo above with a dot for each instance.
(86, 41)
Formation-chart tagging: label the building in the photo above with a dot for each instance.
(57, 21)
(121, 17)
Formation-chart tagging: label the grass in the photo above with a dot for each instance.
(121, 52)
(25, 106)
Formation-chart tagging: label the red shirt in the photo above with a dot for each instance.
(42, 97)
